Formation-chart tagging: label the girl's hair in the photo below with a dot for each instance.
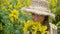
(46, 22)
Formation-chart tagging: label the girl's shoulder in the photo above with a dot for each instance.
(53, 26)
(53, 29)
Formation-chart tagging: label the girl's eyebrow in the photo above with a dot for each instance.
(33, 14)
(37, 14)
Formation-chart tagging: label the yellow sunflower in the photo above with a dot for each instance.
(35, 26)
(14, 15)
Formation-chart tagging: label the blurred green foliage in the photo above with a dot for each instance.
(13, 27)
(55, 8)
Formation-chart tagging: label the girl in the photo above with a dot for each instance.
(41, 13)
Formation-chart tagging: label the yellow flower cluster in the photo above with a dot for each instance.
(6, 32)
(6, 2)
(10, 6)
(14, 15)
(18, 5)
(24, 3)
(1, 28)
(36, 26)
(4, 9)
(53, 4)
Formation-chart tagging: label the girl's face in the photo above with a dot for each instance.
(38, 18)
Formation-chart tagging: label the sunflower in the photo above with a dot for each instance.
(14, 15)
(35, 27)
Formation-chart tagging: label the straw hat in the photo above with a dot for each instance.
(40, 7)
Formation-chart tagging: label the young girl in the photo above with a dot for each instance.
(41, 13)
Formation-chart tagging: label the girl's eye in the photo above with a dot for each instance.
(33, 14)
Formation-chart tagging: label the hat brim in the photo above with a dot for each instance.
(39, 12)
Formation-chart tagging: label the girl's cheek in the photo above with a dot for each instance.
(41, 19)
(38, 18)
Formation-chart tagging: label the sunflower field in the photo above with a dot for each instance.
(12, 19)
(15, 21)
